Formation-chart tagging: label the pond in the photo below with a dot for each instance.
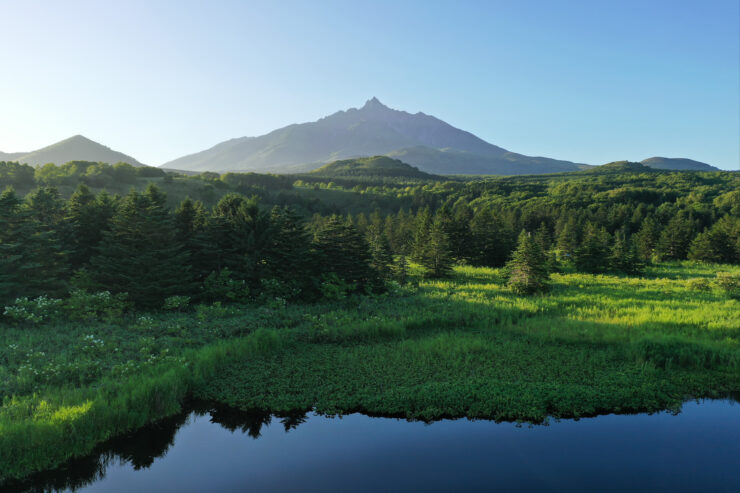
(221, 450)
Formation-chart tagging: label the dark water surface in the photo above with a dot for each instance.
(221, 450)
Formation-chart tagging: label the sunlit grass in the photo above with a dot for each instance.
(464, 346)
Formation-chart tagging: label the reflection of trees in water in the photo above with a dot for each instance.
(251, 422)
(142, 447)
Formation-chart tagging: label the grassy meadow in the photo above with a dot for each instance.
(463, 346)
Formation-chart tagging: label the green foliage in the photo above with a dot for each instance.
(139, 255)
(93, 306)
(220, 286)
(176, 303)
(729, 282)
(463, 346)
(527, 271)
(34, 311)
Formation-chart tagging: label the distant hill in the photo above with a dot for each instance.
(620, 166)
(77, 148)
(677, 164)
(11, 156)
(375, 166)
(418, 139)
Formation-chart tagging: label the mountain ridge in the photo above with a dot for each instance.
(423, 140)
(75, 148)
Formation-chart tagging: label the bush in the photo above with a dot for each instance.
(176, 303)
(82, 305)
(698, 284)
(34, 311)
(219, 286)
(729, 283)
(333, 288)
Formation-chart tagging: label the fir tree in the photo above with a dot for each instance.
(676, 238)
(646, 239)
(140, 254)
(623, 255)
(591, 255)
(340, 249)
(527, 270)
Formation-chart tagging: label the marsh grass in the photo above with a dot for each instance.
(464, 346)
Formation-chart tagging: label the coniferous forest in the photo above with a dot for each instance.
(126, 291)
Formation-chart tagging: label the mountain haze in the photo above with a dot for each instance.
(375, 166)
(77, 148)
(677, 164)
(374, 129)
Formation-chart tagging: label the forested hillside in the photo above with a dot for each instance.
(59, 233)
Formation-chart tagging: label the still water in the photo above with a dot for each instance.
(222, 450)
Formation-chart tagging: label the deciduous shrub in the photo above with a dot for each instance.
(34, 311)
(82, 305)
(729, 283)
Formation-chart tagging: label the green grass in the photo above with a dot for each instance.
(460, 347)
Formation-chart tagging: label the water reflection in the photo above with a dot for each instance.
(207, 449)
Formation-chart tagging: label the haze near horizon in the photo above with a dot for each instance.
(579, 81)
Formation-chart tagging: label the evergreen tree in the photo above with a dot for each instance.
(140, 254)
(11, 248)
(527, 270)
(421, 235)
(720, 243)
(676, 238)
(340, 249)
(437, 258)
(646, 239)
(623, 255)
(380, 252)
(592, 254)
(569, 236)
(288, 254)
(489, 241)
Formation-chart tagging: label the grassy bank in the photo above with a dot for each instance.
(464, 346)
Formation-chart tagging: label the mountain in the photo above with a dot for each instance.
(370, 166)
(77, 148)
(418, 139)
(677, 164)
(11, 156)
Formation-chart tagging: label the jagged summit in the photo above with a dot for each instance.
(374, 104)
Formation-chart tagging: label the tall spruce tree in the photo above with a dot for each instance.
(341, 249)
(140, 254)
(527, 271)
(592, 254)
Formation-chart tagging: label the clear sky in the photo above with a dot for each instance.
(588, 81)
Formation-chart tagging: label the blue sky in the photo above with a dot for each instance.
(587, 81)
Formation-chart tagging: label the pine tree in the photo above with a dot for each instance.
(288, 253)
(676, 238)
(527, 270)
(140, 254)
(569, 236)
(646, 239)
(623, 255)
(592, 255)
(11, 250)
(340, 249)
(489, 240)
(87, 218)
(720, 243)
(380, 252)
(437, 257)
(421, 235)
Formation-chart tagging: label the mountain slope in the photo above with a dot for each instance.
(374, 166)
(677, 164)
(77, 148)
(419, 139)
(11, 156)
